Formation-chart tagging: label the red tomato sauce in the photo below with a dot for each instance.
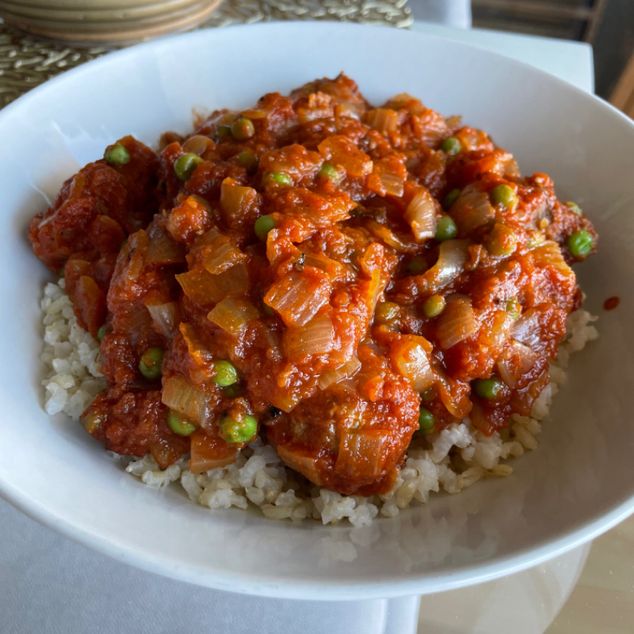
(313, 270)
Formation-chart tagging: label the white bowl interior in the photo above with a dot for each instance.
(577, 484)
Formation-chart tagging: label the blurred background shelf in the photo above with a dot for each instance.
(608, 25)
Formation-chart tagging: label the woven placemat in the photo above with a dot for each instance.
(26, 61)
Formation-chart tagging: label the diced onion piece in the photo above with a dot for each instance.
(456, 323)
(135, 320)
(298, 296)
(301, 461)
(527, 330)
(373, 264)
(186, 399)
(363, 453)
(388, 176)
(233, 314)
(517, 361)
(335, 270)
(198, 144)
(200, 362)
(255, 114)
(383, 120)
(473, 139)
(205, 289)
(162, 248)
(164, 317)
(387, 236)
(452, 257)
(344, 371)
(315, 338)
(340, 150)
(472, 209)
(216, 252)
(188, 219)
(285, 399)
(454, 395)
(209, 451)
(480, 421)
(549, 253)
(236, 199)
(421, 215)
(410, 356)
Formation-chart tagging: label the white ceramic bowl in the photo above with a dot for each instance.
(575, 486)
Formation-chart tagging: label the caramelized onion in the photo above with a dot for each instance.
(210, 452)
(383, 120)
(236, 199)
(410, 356)
(517, 361)
(421, 215)
(391, 239)
(233, 314)
(456, 323)
(164, 317)
(472, 209)
(315, 338)
(340, 150)
(299, 296)
(205, 289)
(345, 371)
(216, 252)
(526, 329)
(452, 257)
(186, 399)
(363, 453)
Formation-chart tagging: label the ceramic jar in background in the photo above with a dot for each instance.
(105, 21)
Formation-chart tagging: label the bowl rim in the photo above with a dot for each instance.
(272, 585)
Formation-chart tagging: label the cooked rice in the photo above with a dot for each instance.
(451, 461)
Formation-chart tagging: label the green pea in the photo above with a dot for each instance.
(234, 431)
(451, 146)
(434, 305)
(504, 195)
(329, 171)
(426, 420)
(179, 425)
(279, 178)
(386, 312)
(101, 333)
(514, 308)
(232, 391)
(451, 198)
(185, 165)
(151, 362)
(262, 226)
(248, 159)
(417, 265)
(446, 228)
(222, 132)
(580, 244)
(488, 389)
(574, 208)
(225, 373)
(116, 154)
(242, 129)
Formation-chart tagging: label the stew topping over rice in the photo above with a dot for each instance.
(328, 275)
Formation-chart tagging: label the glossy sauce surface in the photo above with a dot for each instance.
(327, 316)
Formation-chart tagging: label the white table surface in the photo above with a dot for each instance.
(51, 585)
